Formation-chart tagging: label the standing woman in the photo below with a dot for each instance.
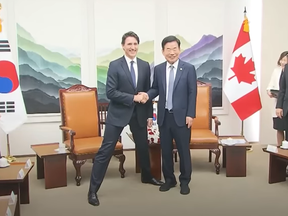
(273, 87)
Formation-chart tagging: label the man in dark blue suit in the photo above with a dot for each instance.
(175, 82)
(126, 77)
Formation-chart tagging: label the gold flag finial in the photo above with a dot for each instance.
(0, 19)
(246, 25)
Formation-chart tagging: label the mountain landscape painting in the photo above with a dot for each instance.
(206, 56)
(145, 52)
(43, 72)
(49, 52)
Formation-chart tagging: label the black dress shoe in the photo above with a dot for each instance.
(184, 189)
(166, 186)
(153, 181)
(93, 199)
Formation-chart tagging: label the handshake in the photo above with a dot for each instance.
(141, 97)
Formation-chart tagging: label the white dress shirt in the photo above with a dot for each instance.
(128, 60)
(168, 75)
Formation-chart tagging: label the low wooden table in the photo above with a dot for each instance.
(9, 182)
(155, 159)
(234, 157)
(277, 165)
(51, 165)
(4, 204)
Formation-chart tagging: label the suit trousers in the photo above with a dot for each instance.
(169, 131)
(285, 119)
(103, 157)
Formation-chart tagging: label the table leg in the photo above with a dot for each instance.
(155, 161)
(224, 157)
(55, 171)
(24, 191)
(277, 169)
(40, 167)
(235, 161)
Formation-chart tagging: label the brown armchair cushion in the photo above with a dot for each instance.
(203, 136)
(89, 145)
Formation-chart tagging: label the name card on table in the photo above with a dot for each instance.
(20, 174)
(8, 212)
(12, 198)
(272, 148)
(28, 164)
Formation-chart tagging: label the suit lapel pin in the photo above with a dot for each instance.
(180, 68)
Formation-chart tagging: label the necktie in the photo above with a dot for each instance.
(133, 74)
(170, 88)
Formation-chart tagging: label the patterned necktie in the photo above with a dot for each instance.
(133, 74)
(170, 88)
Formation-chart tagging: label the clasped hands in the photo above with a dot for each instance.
(141, 97)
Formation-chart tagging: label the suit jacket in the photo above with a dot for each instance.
(184, 93)
(282, 99)
(120, 91)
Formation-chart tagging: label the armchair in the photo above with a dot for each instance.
(202, 136)
(81, 127)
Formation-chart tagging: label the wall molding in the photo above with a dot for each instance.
(43, 118)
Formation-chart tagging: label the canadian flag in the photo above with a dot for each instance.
(12, 108)
(241, 86)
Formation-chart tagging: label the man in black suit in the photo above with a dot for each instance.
(175, 82)
(282, 100)
(126, 77)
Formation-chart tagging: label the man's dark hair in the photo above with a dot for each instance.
(130, 34)
(282, 55)
(169, 39)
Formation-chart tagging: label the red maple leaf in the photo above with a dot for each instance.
(243, 70)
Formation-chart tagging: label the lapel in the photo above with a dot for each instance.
(164, 77)
(127, 71)
(140, 72)
(178, 73)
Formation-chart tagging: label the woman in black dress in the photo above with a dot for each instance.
(272, 89)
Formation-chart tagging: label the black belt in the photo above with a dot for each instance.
(169, 111)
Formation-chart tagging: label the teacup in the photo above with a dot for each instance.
(3, 162)
(284, 144)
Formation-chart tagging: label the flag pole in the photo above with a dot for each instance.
(9, 157)
(242, 122)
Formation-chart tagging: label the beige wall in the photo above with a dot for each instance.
(274, 41)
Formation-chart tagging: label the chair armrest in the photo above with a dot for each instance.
(71, 134)
(67, 129)
(217, 123)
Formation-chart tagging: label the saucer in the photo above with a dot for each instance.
(283, 147)
(7, 165)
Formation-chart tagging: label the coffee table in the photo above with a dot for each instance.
(277, 165)
(155, 159)
(4, 203)
(9, 182)
(51, 165)
(234, 157)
